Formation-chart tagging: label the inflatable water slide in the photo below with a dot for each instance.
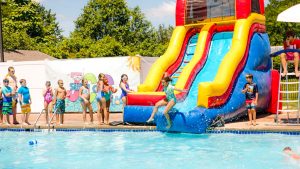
(214, 45)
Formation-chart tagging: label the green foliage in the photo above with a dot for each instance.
(110, 28)
(28, 25)
(277, 30)
(105, 28)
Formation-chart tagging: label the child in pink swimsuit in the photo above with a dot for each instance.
(48, 95)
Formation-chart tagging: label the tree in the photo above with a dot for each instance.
(28, 25)
(275, 29)
(125, 31)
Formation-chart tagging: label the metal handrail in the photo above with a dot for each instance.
(40, 114)
(287, 92)
(50, 120)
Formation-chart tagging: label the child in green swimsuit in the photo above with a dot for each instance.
(169, 101)
(107, 91)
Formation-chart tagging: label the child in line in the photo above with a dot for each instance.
(100, 112)
(48, 96)
(125, 88)
(106, 96)
(25, 101)
(59, 101)
(11, 77)
(1, 105)
(7, 93)
(84, 94)
(251, 92)
(169, 101)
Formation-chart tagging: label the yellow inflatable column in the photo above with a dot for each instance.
(165, 61)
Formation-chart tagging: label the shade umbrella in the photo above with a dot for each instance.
(292, 14)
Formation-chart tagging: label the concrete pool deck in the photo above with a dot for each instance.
(265, 122)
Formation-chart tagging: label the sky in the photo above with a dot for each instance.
(156, 11)
(67, 11)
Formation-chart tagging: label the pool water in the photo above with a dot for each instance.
(115, 150)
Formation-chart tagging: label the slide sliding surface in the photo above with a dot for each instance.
(189, 53)
(220, 45)
(197, 119)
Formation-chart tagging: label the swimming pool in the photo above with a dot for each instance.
(138, 150)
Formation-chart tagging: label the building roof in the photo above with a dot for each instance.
(26, 55)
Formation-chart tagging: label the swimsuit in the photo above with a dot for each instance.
(84, 91)
(169, 90)
(1, 103)
(48, 96)
(99, 95)
(124, 93)
(107, 95)
(25, 108)
(7, 101)
(60, 106)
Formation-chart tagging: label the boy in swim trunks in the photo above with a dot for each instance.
(11, 77)
(59, 102)
(25, 101)
(251, 92)
(7, 94)
(290, 43)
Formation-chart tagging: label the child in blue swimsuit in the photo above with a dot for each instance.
(84, 93)
(125, 88)
(100, 112)
(169, 101)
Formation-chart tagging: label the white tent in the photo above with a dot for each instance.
(292, 14)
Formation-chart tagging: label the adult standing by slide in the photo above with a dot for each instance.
(13, 84)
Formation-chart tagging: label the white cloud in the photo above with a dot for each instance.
(162, 13)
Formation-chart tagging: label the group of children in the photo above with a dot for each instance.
(104, 93)
(54, 100)
(9, 96)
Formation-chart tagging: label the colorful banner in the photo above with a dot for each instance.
(73, 71)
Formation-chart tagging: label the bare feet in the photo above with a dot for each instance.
(254, 124)
(284, 73)
(27, 122)
(168, 126)
(249, 123)
(297, 73)
(16, 123)
(150, 120)
(7, 124)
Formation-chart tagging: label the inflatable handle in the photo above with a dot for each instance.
(284, 51)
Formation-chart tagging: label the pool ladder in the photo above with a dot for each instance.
(37, 119)
(285, 82)
(49, 121)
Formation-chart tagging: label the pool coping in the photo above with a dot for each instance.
(145, 129)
